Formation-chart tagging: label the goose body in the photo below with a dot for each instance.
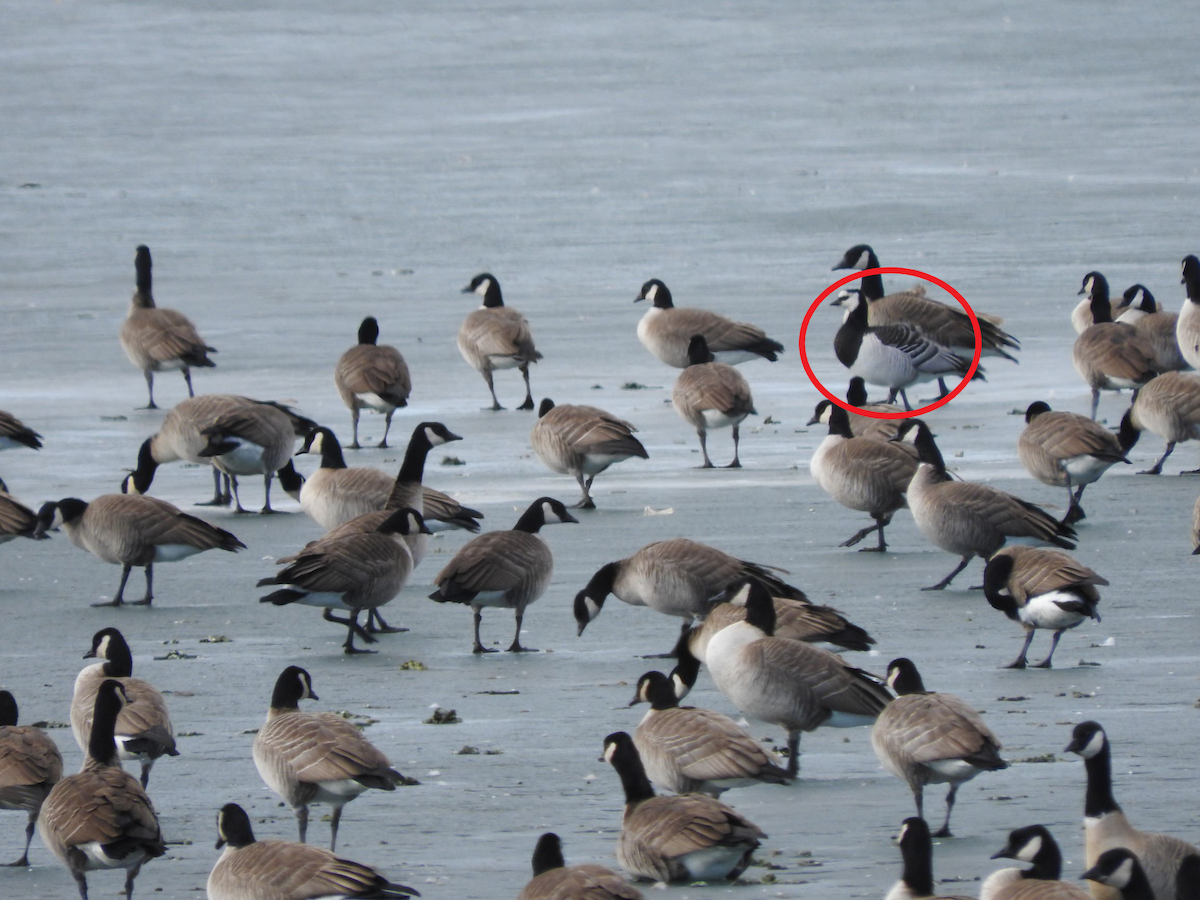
(496, 336)
(1169, 406)
(15, 433)
(1041, 881)
(1187, 326)
(1139, 309)
(30, 766)
(16, 519)
(916, 879)
(374, 376)
(797, 620)
(1108, 355)
(709, 394)
(582, 441)
(666, 330)
(553, 879)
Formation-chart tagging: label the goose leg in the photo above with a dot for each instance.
(147, 765)
(81, 882)
(24, 860)
(704, 448)
(266, 510)
(120, 598)
(351, 623)
(479, 648)
(302, 823)
(673, 653)
(236, 497)
(1045, 663)
(387, 427)
(516, 644)
(862, 533)
(585, 501)
(944, 831)
(919, 795)
(528, 404)
(1019, 662)
(354, 445)
(736, 464)
(187, 376)
(151, 405)
(904, 397)
(793, 766)
(336, 820)
(1075, 512)
(1095, 402)
(892, 392)
(131, 874)
(1157, 469)
(216, 497)
(941, 585)
(487, 376)
(376, 624)
(149, 598)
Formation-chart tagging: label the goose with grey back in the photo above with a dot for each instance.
(1041, 881)
(143, 730)
(30, 766)
(861, 425)
(925, 737)
(496, 336)
(1105, 826)
(1041, 589)
(709, 394)
(788, 683)
(690, 837)
(374, 376)
(15, 433)
(1120, 873)
(582, 441)
(1169, 406)
(250, 869)
(916, 851)
(1108, 355)
(966, 518)
(316, 757)
(1063, 449)
(507, 569)
(16, 519)
(1187, 326)
(129, 530)
(101, 817)
(862, 474)
(157, 340)
(667, 330)
(1139, 309)
(553, 879)
(351, 572)
(688, 750)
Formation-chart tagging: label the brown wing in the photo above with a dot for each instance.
(377, 369)
(927, 728)
(15, 517)
(676, 826)
(1176, 392)
(1038, 570)
(28, 759)
(14, 429)
(1063, 435)
(343, 564)
(719, 332)
(943, 324)
(587, 429)
(705, 744)
(133, 520)
(828, 680)
(322, 747)
(711, 386)
(1003, 512)
(496, 561)
(1039, 889)
(102, 804)
(145, 714)
(259, 423)
(1115, 350)
(585, 882)
(499, 331)
(165, 335)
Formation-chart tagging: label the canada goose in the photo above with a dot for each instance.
(316, 757)
(1139, 309)
(925, 737)
(503, 568)
(862, 426)
(159, 339)
(101, 818)
(690, 837)
(1033, 844)
(30, 765)
(1041, 588)
(284, 870)
(1108, 355)
(351, 572)
(967, 518)
(1187, 327)
(862, 474)
(797, 620)
(1122, 874)
(582, 441)
(16, 519)
(553, 879)
(129, 530)
(1169, 406)
(916, 879)
(666, 331)
(372, 376)
(688, 750)
(143, 729)
(1105, 826)
(710, 394)
(1063, 449)
(788, 683)
(893, 356)
(496, 336)
(15, 433)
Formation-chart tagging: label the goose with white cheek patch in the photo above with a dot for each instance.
(860, 425)
(1187, 327)
(924, 737)
(553, 879)
(15, 433)
(30, 766)
(506, 569)
(1119, 873)
(1169, 406)
(710, 394)
(1108, 355)
(1041, 589)
(128, 530)
(692, 837)
(966, 518)
(1139, 309)
(582, 441)
(374, 376)
(916, 878)
(1041, 881)
(496, 336)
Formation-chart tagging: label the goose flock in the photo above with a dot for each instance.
(778, 657)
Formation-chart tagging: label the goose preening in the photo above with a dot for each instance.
(582, 441)
(1041, 588)
(507, 569)
(496, 336)
(1106, 828)
(374, 376)
(157, 340)
(925, 737)
(553, 879)
(16, 519)
(1041, 881)
(688, 750)
(667, 330)
(15, 433)
(30, 766)
(101, 818)
(1119, 873)
(916, 851)
(689, 837)
(798, 620)
(710, 394)
(1187, 326)
(143, 730)
(787, 683)
(250, 869)
(129, 530)
(1063, 449)
(316, 757)
(861, 426)
(1169, 406)
(966, 518)
(1108, 355)
(862, 474)
(1139, 309)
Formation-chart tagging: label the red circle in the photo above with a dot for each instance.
(891, 270)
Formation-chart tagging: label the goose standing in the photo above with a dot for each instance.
(709, 394)
(157, 339)
(924, 737)
(1187, 326)
(16, 519)
(553, 879)
(496, 336)
(690, 837)
(15, 433)
(1139, 309)
(916, 850)
(129, 530)
(582, 441)
(1169, 406)
(316, 757)
(1110, 356)
(30, 766)
(374, 376)
(966, 518)
(1041, 588)
(667, 330)
(1033, 844)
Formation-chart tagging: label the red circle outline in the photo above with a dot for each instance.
(891, 270)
